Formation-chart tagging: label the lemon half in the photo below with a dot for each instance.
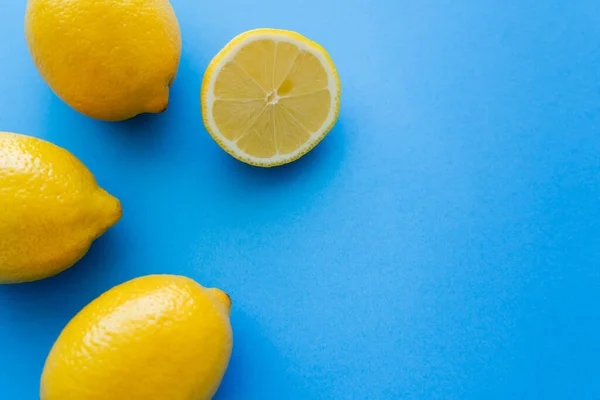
(270, 96)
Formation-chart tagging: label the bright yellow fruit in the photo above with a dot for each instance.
(270, 96)
(108, 59)
(159, 337)
(51, 209)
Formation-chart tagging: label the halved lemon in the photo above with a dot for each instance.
(270, 96)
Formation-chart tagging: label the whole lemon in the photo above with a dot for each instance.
(158, 337)
(108, 59)
(51, 209)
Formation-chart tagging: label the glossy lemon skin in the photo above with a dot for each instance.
(51, 209)
(108, 59)
(153, 338)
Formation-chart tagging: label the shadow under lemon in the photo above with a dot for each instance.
(318, 166)
(256, 366)
(52, 302)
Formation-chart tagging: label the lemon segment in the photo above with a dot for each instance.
(270, 96)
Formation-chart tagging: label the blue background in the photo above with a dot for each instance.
(443, 242)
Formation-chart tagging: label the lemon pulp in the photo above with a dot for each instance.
(270, 96)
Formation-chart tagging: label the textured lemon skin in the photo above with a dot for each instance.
(232, 46)
(108, 59)
(51, 209)
(156, 337)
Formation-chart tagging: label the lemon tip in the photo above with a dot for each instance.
(222, 297)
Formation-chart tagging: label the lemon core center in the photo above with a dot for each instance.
(273, 97)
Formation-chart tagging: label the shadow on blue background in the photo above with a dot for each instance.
(30, 300)
(245, 375)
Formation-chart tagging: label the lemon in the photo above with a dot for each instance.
(270, 96)
(51, 209)
(159, 337)
(108, 59)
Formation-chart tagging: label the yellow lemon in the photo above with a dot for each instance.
(270, 96)
(51, 209)
(159, 337)
(108, 59)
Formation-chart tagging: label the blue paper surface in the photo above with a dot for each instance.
(441, 243)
